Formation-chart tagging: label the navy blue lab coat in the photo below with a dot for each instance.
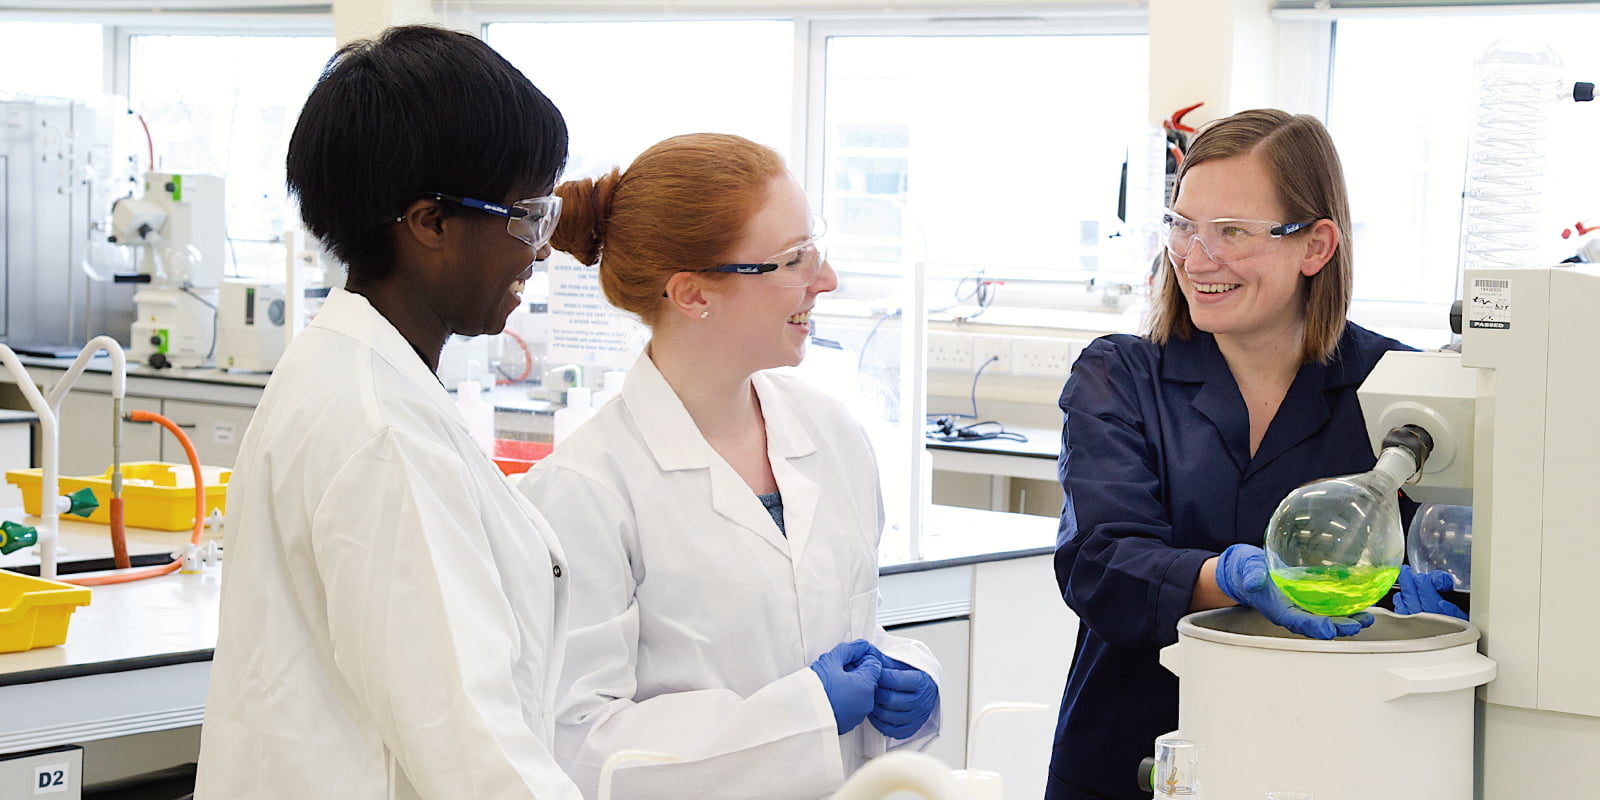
(1158, 477)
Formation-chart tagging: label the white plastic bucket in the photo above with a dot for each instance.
(1387, 713)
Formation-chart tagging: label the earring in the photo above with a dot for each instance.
(705, 315)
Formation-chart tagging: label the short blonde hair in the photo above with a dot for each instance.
(1305, 171)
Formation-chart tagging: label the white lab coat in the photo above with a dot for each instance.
(393, 612)
(694, 620)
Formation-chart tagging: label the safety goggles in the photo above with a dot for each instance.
(1226, 241)
(532, 220)
(796, 266)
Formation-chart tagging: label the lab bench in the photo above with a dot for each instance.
(137, 659)
(130, 681)
(214, 408)
(982, 596)
(1001, 459)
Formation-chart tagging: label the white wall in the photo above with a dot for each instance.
(1223, 52)
(358, 19)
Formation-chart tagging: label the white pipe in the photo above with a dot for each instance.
(119, 369)
(49, 487)
(49, 411)
(621, 757)
(901, 771)
(989, 708)
(914, 403)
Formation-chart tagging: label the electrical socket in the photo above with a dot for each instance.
(995, 348)
(1044, 356)
(949, 351)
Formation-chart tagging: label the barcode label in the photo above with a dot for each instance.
(1489, 304)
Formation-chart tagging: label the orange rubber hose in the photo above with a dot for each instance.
(119, 536)
(199, 510)
(124, 577)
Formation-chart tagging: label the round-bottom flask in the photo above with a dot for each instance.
(1334, 546)
(1440, 538)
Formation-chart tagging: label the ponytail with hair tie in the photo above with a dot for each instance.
(602, 216)
(583, 236)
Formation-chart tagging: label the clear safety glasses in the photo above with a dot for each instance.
(794, 267)
(1226, 241)
(532, 220)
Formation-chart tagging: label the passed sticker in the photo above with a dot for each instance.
(1489, 304)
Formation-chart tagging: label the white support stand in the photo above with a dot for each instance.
(49, 410)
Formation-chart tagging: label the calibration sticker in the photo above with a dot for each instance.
(1491, 304)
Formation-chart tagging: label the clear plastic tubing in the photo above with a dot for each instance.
(1516, 85)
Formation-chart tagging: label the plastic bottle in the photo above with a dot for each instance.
(1516, 86)
(613, 387)
(478, 413)
(577, 411)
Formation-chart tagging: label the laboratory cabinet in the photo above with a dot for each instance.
(949, 640)
(85, 430)
(214, 429)
(1023, 637)
(16, 450)
(213, 412)
(1003, 635)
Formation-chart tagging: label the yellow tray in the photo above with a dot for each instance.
(165, 504)
(34, 612)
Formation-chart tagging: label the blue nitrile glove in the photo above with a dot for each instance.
(1242, 575)
(1419, 592)
(906, 697)
(849, 674)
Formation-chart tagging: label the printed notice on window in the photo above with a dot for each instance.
(584, 328)
(1489, 304)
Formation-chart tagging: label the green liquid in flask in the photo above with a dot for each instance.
(1335, 591)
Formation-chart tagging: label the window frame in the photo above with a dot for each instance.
(812, 30)
(1306, 84)
(1306, 46)
(1065, 303)
(119, 41)
(120, 37)
(820, 29)
(479, 24)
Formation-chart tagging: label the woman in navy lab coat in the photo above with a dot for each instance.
(1178, 444)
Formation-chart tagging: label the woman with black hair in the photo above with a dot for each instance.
(394, 612)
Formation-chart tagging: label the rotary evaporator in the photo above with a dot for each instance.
(178, 224)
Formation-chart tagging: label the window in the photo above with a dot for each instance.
(75, 53)
(225, 105)
(985, 152)
(1402, 124)
(624, 86)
